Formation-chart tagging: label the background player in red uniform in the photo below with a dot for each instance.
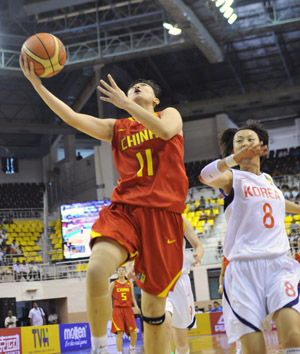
(123, 320)
(144, 220)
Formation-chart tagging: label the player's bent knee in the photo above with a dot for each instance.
(154, 321)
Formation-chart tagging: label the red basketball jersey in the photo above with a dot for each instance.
(121, 294)
(152, 172)
(297, 257)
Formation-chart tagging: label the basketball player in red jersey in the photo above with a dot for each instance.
(144, 220)
(123, 320)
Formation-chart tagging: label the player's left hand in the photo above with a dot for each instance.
(198, 254)
(114, 94)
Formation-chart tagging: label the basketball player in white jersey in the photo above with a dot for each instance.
(260, 280)
(180, 309)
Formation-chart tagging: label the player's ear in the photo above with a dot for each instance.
(156, 101)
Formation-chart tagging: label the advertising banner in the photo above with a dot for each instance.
(217, 323)
(74, 336)
(203, 325)
(10, 341)
(40, 339)
(111, 338)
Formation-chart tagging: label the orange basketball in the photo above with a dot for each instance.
(46, 52)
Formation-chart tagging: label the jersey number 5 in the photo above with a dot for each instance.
(268, 219)
(149, 163)
(124, 297)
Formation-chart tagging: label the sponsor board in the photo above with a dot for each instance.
(40, 339)
(74, 336)
(10, 341)
(202, 325)
(217, 323)
(111, 338)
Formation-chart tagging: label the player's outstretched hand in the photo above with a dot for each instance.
(113, 93)
(28, 71)
(245, 156)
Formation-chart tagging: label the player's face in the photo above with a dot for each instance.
(244, 138)
(121, 272)
(142, 91)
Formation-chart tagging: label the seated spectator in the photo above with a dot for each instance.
(206, 228)
(293, 236)
(220, 249)
(202, 203)
(197, 310)
(14, 245)
(208, 204)
(52, 318)
(209, 308)
(217, 307)
(192, 207)
(17, 271)
(24, 270)
(286, 191)
(34, 271)
(294, 193)
(214, 195)
(10, 321)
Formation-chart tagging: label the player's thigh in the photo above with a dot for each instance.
(152, 306)
(253, 343)
(287, 321)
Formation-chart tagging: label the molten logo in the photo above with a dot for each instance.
(75, 333)
(41, 337)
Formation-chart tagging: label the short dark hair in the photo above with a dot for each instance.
(156, 89)
(226, 137)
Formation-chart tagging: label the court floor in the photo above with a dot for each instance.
(216, 344)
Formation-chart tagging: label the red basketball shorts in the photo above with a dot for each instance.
(151, 236)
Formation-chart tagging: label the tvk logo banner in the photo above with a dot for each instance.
(40, 340)
(74, 336)
(10, 341)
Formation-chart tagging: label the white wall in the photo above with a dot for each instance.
(201, 137)
(285, 137)
(201, 281)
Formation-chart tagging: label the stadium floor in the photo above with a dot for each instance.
(216, 344)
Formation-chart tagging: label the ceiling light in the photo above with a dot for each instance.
(227, 4)
(220, 3)
(167, 25)
(175, 31)
(232, 19)
(228, 12)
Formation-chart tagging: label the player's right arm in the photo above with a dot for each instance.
(217, 174)
(101, 129)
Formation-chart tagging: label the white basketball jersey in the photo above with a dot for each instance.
(255, 217)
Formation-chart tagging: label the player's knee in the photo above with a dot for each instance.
(154, 321)
(96, 279)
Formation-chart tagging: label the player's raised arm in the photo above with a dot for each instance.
(97, 128)
(140, 98)
(292, 208)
